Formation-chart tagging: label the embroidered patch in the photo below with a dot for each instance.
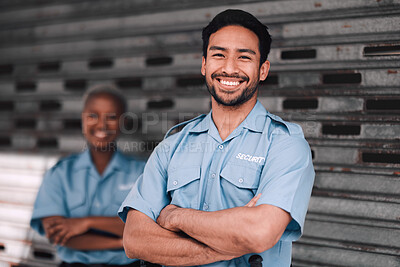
(250, 158)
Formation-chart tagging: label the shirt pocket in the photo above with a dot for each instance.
(76, 205)
(239, 184)
(183, 186)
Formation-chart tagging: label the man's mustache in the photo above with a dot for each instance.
(237, 76)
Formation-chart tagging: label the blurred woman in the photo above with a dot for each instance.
(77, 203)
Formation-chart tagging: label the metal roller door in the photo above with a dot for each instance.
(335, 70)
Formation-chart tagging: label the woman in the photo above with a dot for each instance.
(77, 203)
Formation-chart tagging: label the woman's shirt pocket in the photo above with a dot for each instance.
(76, 205)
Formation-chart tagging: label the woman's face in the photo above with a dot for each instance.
(100, 120)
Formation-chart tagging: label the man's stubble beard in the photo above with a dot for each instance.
(245, 96)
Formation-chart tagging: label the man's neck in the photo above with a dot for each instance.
(227, 118)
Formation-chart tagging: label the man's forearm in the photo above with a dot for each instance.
(144, 239)
(237, 231)
(91, 241)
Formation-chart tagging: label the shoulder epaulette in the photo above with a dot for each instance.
(183, 123)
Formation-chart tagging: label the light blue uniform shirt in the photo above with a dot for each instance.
(74, 188)
(196, 169)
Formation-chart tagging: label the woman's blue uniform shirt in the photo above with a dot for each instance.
(196, 169)
(74, 188)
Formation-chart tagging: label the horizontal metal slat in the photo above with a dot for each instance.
(17, 195)
(372, 184)
(341, 27)
(355, 208)
(326, 256)
(23, 252)
(366, 235)
(26, 161)
(195, 18)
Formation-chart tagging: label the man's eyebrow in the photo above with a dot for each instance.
(245, 50)
(214, 47)
(240, 50)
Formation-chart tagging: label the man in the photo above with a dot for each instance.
(232, 183)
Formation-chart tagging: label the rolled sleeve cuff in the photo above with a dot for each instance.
(136, 204)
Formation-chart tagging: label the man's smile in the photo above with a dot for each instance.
(229, 82)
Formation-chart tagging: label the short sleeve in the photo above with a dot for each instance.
(287, 180)
(50, 199)
(149, 193)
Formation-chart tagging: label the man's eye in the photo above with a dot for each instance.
(218, 55)
(245, 57)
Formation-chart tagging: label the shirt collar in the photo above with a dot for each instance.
(255, 120)
(118, 162)
(84, 160)
(203, 125)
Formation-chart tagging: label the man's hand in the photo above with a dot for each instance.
(59, 229)
(166, 217)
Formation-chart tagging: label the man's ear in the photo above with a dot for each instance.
(203, 66)
(264, 69)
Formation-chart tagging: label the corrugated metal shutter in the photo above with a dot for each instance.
(335, 69)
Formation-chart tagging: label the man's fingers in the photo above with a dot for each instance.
(253, 201)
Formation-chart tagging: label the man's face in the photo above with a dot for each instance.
(232, 68)
(100, 121)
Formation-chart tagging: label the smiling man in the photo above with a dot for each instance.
(246, 190)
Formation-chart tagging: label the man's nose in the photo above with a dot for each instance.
(230, 66)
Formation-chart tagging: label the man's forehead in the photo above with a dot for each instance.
(234, 37)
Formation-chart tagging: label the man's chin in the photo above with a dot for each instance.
(228, 102)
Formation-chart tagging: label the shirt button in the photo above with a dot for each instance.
(213, 175)
(220, 146)
(205, 206)
(175, 182)
(241, 180)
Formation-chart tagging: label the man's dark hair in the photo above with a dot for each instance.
(239, 18)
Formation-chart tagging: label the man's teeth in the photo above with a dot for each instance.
(229, 83)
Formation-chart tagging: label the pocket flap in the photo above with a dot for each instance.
(241, 176)
(76, 201)
(182, 176)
